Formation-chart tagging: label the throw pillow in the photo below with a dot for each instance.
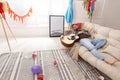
(99, 36)
(113, 51)
(114, 43)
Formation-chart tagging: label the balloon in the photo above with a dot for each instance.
(40, 76)
(36, 69)
(34, 55)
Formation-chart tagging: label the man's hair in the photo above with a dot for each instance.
(72, 25)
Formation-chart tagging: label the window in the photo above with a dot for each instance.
(56, 25)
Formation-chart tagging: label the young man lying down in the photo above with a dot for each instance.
(84, 39)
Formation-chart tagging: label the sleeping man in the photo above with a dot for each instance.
(91, 44)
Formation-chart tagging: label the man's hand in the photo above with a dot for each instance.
(62, 36)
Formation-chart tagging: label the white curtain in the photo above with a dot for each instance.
(41, 11)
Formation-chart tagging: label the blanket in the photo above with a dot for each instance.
(74, 51)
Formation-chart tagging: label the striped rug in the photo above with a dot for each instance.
(67, 68)
(17, 66)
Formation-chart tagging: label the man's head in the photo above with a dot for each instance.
(74, 26)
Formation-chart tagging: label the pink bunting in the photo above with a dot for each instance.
(15, 16)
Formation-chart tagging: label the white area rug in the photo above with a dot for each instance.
(17, 66)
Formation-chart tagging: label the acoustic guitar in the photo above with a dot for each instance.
(69, 40)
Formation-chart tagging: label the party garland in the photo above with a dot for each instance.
(89, 7)
(4, 6)
(2, 9)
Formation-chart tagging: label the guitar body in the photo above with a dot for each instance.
(66, 44)
(68, 41)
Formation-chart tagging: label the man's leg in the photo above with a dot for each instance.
(88, 44)
(97, 54)
(98, 43)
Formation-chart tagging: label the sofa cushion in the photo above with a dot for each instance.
(117, 65)
(115, 34)
(82, 50)
(104, 31)
(87, 56)
(114, 43)
(99, 36)
(113, 51)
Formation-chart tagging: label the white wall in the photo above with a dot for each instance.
(106, 13)
(111, 14)
(80, 15)
(27, 31)
(37, 25)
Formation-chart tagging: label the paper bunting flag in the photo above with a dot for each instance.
(89, 7)
(15, 16)
(4, 6)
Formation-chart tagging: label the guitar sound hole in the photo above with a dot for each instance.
(72, 37)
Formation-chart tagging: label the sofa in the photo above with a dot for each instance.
(111, 50)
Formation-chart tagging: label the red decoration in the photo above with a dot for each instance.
(40, 77)
(100, 78)
(1, 10)
(15, 16)
(34, 55)
(55, 63)
(4, 6)
(12, 13)
(88, 5)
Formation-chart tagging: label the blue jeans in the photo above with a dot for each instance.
(92, 45)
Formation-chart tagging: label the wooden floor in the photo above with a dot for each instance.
(30, 44)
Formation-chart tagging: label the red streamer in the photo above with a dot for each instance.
(1, 10)
(15, 16)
